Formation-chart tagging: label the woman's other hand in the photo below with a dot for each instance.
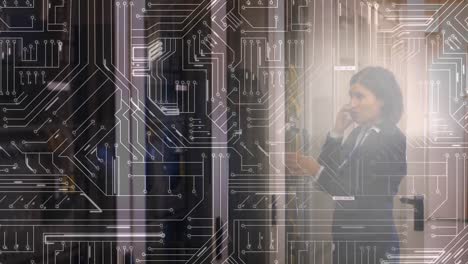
(299, 165)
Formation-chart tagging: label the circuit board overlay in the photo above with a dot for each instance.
(156, 130)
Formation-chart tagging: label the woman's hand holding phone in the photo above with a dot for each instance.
(343, 120)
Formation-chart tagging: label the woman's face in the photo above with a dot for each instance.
(365, 107)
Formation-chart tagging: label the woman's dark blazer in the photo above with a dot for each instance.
(364, 181)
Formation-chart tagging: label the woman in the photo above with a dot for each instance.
(363, 174)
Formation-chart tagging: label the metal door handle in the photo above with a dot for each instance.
(418, 202)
